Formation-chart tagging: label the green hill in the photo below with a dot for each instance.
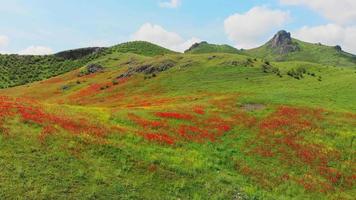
(204, 47)
(148, 123)
(316, 53)
(19, 70)
(140, 48)
(181, 126)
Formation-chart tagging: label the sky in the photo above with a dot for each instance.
(44, 27)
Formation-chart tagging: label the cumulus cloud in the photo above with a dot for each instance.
(340, 30)
(170, 4)
(330, 34)
(338, 11)
(158, 35)
(4, 41)
(36, 50)
(255, 26)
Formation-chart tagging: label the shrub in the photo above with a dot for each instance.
(297, 73)
(270, 69)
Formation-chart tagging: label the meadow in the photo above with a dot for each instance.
(163, 125)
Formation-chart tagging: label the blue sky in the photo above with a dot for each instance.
(42, 26)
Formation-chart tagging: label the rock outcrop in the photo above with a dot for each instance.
(338, 48)
(282, 43)
(94, 68)
(149, 69)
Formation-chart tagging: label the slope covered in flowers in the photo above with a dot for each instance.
(209, 126)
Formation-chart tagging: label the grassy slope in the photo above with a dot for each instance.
(126, 165)
(19, 70)
(212, 48)
(308, 52)
(140, 48)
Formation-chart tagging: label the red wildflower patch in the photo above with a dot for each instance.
(94, 89)
(281, 135)
(144, 123)
(199, 110)
(31, 112)
(189, 128)
(88, 91)
(194, 133)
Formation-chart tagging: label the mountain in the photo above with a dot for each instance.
(204, 47)
(282, 47)
(138, 121)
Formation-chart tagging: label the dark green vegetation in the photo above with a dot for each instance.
(205, 47)
(135, 124)
(19, 70)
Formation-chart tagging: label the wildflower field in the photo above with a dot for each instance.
(201, 129)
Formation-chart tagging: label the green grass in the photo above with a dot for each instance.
(125, 165)
(141, 48)
(205, 47)
(19, 70)
(315, 53)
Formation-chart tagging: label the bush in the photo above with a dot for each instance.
(270, 69)
(297, 73)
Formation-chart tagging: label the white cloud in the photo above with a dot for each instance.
(158, 35)
(170, 4)
(253, 27)
(4, 41)
(338, 11)
(330, 34)
(342, 27)
(36, 50)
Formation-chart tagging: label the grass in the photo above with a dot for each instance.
(18, 70)
(205, 47)
(316, 53)
(141, 48)
(214, 126)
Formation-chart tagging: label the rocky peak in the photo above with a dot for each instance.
(282, 43)
(280, 39)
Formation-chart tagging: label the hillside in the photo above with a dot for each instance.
(204, 47)
(19, 70)
(302, 51)
(140, 48)
(135, 124)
